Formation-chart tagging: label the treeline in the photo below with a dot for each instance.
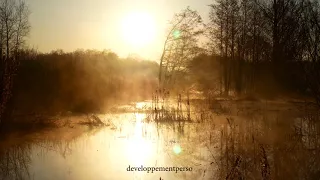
(267, 44)
(80, 81)
(209, 73)
(252, 47)
(275, 39)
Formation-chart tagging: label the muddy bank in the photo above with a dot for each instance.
(46, 128)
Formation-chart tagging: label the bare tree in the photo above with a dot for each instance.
(22, 25)
(180, 46)
(312, 53)
(224, 17)
(14, 22)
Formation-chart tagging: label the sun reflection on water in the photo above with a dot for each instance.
(141, 105)
(139, 149)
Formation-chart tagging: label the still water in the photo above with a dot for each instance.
(250, 141)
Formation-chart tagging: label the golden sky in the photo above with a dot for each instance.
(124, 26)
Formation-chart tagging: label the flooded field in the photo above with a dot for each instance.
(226, 140)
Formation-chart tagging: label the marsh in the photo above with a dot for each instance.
(274, 139)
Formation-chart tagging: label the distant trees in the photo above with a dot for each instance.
(311, 24)
(14, 27)
(80, 81)
(225, 21)
(265, 41)
(205, 71)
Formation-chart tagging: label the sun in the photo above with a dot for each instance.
(138, 29)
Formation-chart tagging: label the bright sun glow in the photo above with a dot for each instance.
(138, 29)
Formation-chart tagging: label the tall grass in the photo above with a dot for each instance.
(167, 108)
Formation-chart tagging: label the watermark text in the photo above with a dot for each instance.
(153, 169)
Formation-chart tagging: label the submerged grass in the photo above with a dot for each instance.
(246, 139)
(257, 140)
(166, 109)
(266, 147)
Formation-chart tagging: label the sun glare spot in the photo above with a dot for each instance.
(138, 29)
(176, 34)
(177, 149)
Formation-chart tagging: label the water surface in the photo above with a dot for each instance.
(253, 141)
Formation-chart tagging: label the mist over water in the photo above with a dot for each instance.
(130, 138)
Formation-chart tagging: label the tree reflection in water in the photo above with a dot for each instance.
(279, 148)
(249, 144)
(14, 163)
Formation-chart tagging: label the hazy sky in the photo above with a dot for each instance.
(96, 24)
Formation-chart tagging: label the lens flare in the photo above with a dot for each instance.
(176, 34)
(177, 149)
